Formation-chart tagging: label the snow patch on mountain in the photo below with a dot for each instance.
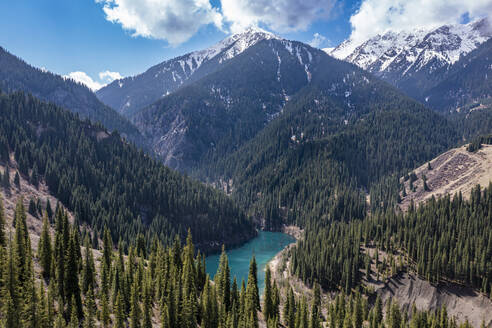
(414, 50)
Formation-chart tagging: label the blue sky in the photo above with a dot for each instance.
(129, 36)
(73, 35)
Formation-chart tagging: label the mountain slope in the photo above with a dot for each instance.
(15, 74)
(417, 60)
(469, 80)
(130, 94)
(329, 145)
(456, 170)
(228, 107)
(104, 181)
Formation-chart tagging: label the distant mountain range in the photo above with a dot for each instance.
(17, 75)
(204, 106)
(417, 61)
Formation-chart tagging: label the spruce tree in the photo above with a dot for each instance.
(44, 249)
(88, 268)
(89, 310)
(17, 180)
(6, 179)
(119, 312)
(72, 288)
(223, 280)
(135, 311)
(268, 311)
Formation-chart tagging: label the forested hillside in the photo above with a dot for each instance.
(319, 156)
(224, 109)
(15, 74)
(465, 82)
(66, 285)
(104, 181)
(445, 240)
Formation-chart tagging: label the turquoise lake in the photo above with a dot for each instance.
(265, 246)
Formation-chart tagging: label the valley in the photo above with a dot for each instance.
(248, 180)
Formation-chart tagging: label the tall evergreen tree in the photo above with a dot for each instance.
(268, 297)
(44, 249)
(223, 280)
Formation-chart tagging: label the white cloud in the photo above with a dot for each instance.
(108, 76)
(177, 20)
(318, 40)
(83, 78)
(172, 20)
(378, 16)
(104, 78)
(278, 15)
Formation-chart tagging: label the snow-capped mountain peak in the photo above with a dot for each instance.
(406, 50)
(162, 79)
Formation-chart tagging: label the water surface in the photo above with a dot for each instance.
(265, 246)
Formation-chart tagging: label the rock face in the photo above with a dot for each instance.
(415, 60)
(461, 302)
(248, 86)
(130, 94)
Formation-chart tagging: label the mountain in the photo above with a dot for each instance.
(130, 94)
(227, 107)
(415, 61)
(106, 182)
(15, 74)
(467, 81)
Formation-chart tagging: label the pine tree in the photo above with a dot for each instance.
(89, 310)
(315, 307)
(268, 310)
(107, 259)
(105, 318)
(378, 310)
(358, 312)
(6, 179)
(72, 288)
(74, 317)
(44, 249)
(49, 210)
(88, 269)
(147, 302)
(223, 280)
(17, 180)
(291, 309)
(119, 312)
(252, 298)
(135, 311)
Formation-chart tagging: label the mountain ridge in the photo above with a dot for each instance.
(130, 94)
(16, 74)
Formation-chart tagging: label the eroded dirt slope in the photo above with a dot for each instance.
(453, 171)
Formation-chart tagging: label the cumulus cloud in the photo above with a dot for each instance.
(318, 40)
(108, 76)
(83, 78)
(176, 21)
(104, 78)
(171, 20)
(378, 16)
(278, 15)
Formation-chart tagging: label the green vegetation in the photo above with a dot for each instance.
(104, 181)
(449, 239)
(163, 285)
